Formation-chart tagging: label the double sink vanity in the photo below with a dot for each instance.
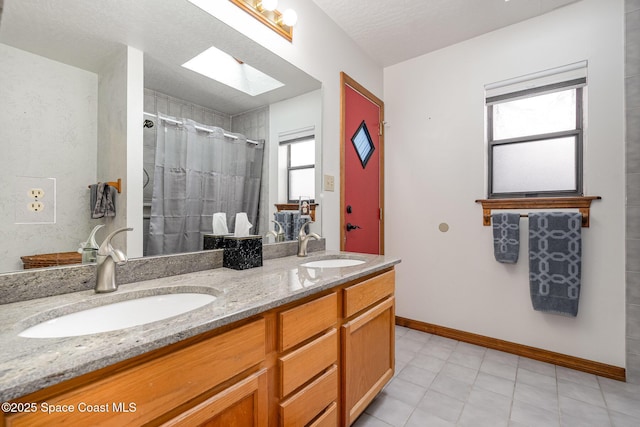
(298, 341)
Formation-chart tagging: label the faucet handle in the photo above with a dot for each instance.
(106, 248)
(302, 233)
(118, 256)
(280, 228)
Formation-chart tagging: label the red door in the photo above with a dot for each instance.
(361, 218)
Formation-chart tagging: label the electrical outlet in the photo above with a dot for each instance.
(35, 206)
(35, 200)
(36, 193)
(329, 183)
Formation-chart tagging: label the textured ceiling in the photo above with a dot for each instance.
(392, 31)
(86, 34)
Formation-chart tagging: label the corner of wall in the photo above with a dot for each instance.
(632, 236)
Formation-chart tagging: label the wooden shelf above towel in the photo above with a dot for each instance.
(583, 204)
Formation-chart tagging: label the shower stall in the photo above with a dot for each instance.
(193, 170)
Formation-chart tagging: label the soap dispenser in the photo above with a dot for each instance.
(89, 249)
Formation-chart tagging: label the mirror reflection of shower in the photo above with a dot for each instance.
(196, 165)
(147, 124)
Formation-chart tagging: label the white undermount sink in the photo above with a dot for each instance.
(333, 263)
(118, 315)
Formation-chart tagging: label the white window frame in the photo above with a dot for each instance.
(569, 77)
(285, 139)
(301, 167)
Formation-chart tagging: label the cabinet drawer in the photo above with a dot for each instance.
(305, 405)
(160, 384)
(303, 364)
(360, 296)
(307, 320)
(328, 419)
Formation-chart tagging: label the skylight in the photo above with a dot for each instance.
(224, 68)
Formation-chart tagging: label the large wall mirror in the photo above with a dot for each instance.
(57, 60)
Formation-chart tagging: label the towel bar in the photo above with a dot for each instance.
(583, 204)
(117, 185)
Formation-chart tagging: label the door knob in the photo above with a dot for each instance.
(352, 227)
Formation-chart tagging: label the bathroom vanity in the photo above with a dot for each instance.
(282, 345)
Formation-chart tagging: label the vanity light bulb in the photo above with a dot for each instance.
(269, 4)
(289, 17)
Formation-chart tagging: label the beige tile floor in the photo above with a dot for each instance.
(443, 382)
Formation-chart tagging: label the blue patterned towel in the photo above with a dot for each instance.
(506, 237)
(555, 258)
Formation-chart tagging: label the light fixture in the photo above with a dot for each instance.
(289, 17)
(269, 5)
(265, 11)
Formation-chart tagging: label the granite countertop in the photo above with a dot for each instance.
(31, 364)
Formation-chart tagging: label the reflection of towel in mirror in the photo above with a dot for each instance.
(102, 200)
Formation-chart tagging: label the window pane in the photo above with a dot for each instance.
(536, 166)
(303, 153)
(302, 182)
(551, 112)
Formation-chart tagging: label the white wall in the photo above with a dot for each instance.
(120, 144)
(48, 128)
(436, 168)
(135, 149)
(321, 49)
(301, 112)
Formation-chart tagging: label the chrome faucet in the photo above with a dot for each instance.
(106, 259)
(303, 239)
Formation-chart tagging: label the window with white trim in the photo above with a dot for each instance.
(300, 155)
(535, 134)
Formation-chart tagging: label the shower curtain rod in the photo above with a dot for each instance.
(177, 122)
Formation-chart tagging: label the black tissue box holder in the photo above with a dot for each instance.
(241, 253)
(213, 241)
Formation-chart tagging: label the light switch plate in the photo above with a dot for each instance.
(35, 200)
(329, 183)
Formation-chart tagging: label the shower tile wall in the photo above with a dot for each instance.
(632, 95)
(253, 124)
(156, 102)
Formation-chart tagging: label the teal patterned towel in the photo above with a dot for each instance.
(555, 260)
(506, 237)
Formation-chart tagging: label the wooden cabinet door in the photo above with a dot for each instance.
(155, 386)
(244, 404)
(367, 357)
